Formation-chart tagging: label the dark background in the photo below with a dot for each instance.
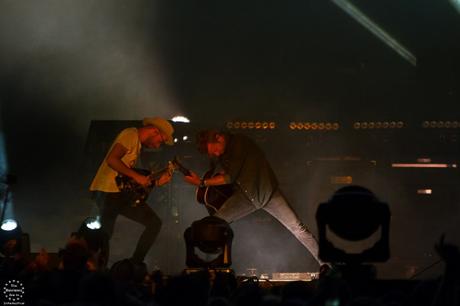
(68, 66)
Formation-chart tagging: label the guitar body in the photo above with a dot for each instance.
(201, 191)
(137, 194)
(213, 197)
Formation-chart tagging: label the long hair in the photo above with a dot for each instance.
(207, 136)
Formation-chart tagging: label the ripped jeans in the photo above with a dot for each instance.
(238, 206)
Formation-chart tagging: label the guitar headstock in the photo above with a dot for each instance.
(171, 167)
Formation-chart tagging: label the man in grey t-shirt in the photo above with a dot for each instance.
(255, 185)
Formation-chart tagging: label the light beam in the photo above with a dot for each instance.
(365, 21)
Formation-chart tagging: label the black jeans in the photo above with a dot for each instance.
(117, 204)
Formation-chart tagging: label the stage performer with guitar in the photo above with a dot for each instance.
(120, 162)
(237, 161)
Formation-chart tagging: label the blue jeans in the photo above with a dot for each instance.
(238, 206)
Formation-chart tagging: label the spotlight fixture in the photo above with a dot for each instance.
(371, 125)
(94, 235)
(180, 119)
(314, 126)
(9, 225)
(440, 124)
(212, 237)
(12, 239)
(251, 125)
(93, 223)
(354, 214)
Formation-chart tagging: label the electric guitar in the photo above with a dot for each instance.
(136, 193)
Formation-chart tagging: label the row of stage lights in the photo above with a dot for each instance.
(441, 124)
(334, 126)
(369, 125)
(265, 125)
(251, 125)
(328, 126)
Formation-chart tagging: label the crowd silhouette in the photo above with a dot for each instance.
(77, 277)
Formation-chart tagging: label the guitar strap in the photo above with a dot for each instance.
(213, 165)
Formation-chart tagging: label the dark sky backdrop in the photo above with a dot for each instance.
(66, 63)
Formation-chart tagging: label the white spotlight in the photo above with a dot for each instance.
(180, 119)
(93, 223)
(9, 225)
(184, 138)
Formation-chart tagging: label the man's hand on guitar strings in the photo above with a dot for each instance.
(142, 180)
(164, 179)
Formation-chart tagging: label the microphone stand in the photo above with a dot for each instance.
(10, 179)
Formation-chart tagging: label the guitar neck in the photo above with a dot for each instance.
(184, 170)
(157, 174)
(181, 168)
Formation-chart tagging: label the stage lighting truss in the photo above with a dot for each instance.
(377, 125)
(440, 124)
(251, 125)
(314, 126)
